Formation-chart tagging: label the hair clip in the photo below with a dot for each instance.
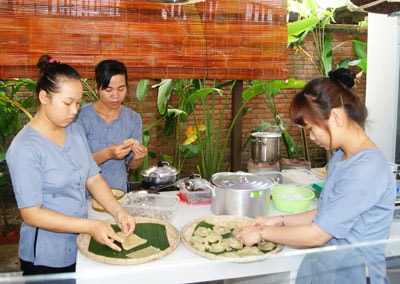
(54, 60)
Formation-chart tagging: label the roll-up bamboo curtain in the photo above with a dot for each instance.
(215, 39)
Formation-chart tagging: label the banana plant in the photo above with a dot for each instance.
(312, 20)
(172, 117)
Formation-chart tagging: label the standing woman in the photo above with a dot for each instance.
(357, 202)
(51, 166)
(108, 125)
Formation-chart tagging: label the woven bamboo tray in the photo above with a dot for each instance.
(188, 229)
(172, 234)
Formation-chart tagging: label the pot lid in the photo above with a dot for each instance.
(242, 181)
(162, 169)
(266, 134)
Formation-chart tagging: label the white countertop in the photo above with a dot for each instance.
(183, 266)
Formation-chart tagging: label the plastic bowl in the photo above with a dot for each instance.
(291, 198)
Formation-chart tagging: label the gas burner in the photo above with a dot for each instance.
(149, 188)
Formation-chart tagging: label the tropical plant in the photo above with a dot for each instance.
(169, 115)
(313, 19)
(12, 105)
(190, 94)
(208, 133)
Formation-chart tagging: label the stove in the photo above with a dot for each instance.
(142, 186)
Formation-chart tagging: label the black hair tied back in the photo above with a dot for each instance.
(344, 76)
(51, 71)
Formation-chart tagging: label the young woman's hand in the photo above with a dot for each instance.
(125, 221)
(119, 151)
(249, 235)
(104, 234)
(139, 151)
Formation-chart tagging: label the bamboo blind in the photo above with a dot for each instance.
(217, 39)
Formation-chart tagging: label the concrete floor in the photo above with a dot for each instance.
(9, 261)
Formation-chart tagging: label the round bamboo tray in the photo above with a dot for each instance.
(118, 193)
(172, 235)
(188, 229)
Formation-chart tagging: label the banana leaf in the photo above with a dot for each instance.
(155, 234)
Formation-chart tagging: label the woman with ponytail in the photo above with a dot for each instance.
(355, 208)
(51, 166)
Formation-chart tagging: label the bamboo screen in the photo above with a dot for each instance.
(216, 39)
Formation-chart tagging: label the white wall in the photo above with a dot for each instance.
(383, 81)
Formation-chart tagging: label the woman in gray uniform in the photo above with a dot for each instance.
(355, 209)
(51, 166)
(111, 127)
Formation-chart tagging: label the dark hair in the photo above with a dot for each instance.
(51, 72)
(106, 69)
(315, 102)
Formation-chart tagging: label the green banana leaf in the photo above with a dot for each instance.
(155, 234)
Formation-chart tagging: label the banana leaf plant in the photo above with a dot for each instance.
(171, 116)
(209, 134)
(313, 20)
(204, 136)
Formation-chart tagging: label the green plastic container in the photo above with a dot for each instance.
(291, 198)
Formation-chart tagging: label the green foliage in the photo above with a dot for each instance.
(205, 138)
(312, 20)
(12, 106)
(360, 49)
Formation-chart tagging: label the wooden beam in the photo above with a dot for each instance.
(236, 137)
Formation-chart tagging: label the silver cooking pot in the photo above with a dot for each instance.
(241, 194)
(160, 174)
(265, 146)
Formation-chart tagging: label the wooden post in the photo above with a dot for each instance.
(236, 137)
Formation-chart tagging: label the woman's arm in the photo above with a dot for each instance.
(289, 220)
(296, 230)
(50, 220)
(100, 191)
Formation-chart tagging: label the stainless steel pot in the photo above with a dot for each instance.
(160, 174)
(265, 146)
(241, 194)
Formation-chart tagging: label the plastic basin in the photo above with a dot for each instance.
(291, 198)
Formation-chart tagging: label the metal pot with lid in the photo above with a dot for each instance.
(265, 146)
(160, 174)
(241, 194)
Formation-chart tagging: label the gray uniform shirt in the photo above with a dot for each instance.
(100, 135)
(45, 174)
(356, 208)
